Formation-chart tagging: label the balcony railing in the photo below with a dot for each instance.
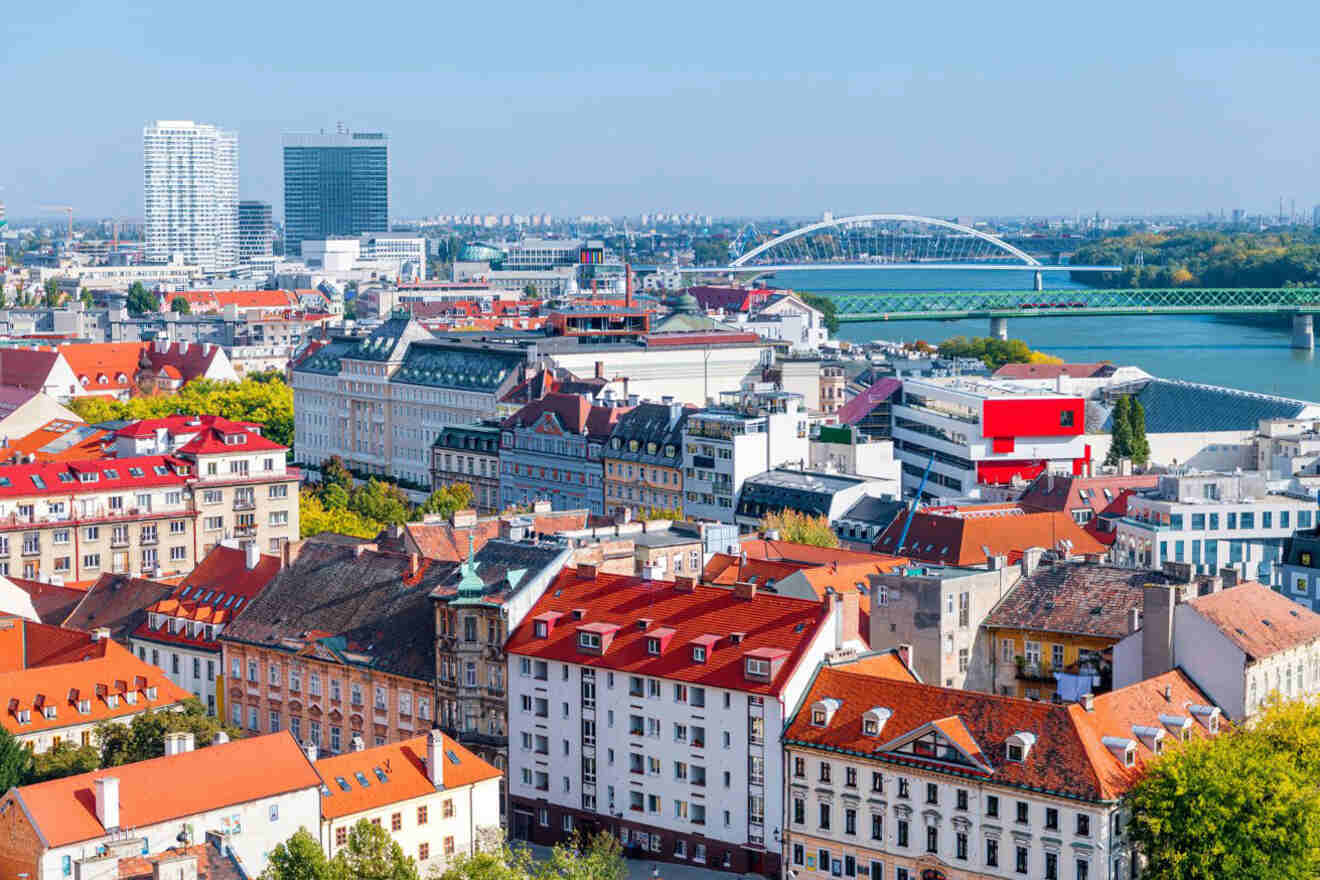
(245, 504)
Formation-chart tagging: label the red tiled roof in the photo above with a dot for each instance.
(444, 543)
(174, 787)
(404, 764)
(62, 478)
(1052, 371)
(211, 440)
(787, 551)
(1072, 599)
(1077, 493)
(768, 622)
(216, 591)
(726, 569)
(182, 424)
(962, 539)
(24, 644)
(1258, 620)
(575, 413)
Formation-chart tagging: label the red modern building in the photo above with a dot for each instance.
(983, 432)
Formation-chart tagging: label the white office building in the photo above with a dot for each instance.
(190, 190)
(748, 433)
(1212, 521)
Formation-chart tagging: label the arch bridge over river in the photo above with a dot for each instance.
(905, 242)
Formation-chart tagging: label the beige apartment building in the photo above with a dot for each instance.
(148, 515)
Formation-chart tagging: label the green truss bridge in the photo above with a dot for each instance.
(998, 306)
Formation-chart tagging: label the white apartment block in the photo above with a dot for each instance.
(659, 722)
(190, 188)
(746, 434)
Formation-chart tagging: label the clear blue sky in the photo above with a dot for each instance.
(717, 107)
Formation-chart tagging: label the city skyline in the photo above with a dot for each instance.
(1044, 113)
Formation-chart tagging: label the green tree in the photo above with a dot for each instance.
(1244, 804)
(530, 292)
(1120, 432)
(86, 298)
(828, 307)
(443, 502)
(799, 528)
(490, 863)
(316, 518)
(335, 472)
(52, 293)
(1137, 427)
(141, 300)
(380, 501)
(334, 497)
(299, 858)
(15, 761)
(65, 759)
(599, 858)
(180, 306)
(144, 737)
(371, 854)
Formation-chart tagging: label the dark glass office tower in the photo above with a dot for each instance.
(334, 184)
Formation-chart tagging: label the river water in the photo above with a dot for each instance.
(1249, 352)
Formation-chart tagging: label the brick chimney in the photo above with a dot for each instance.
(744, 591)
(586, 571)
(464, 519)
(850, 609)
(1228, 577)
(685, 585)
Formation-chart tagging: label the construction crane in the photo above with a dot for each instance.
(916, 499)
(68, 209)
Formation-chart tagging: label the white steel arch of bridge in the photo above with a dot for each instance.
(900, 218)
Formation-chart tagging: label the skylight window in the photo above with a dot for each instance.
(111, 474)
(380, 774)
(135, 472)
(343, 783)
(38, 481)
(453, 759)
(161, 469)
(65, 477)
(362, 779)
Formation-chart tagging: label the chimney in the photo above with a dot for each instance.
(178, 742)
(310, 751)
(1031, 560)
(220, 738)
(1179, 572)
(1088, 701)
(744, 591)
(251, 555)
(1168, 693)
(1229, 577)
(586, 571)
(600, 369)
(101, 632)
(685, 585)
(1133, 620)
(541, 507)
(180, 866)
(1158, 604)
(106, 792)
(414, 563)
(286, 554)
(850, 617)
(435, 758)
(627, 285)
(464, 519)
(356, 744)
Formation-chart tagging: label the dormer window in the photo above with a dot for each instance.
(24, 716)
(1153, 737)
(822, 711)
(84, 707)
(1121, 748)
(653, 646)
(818, 717)
(112, 700)
(130, 697)
(541, 629)
(49, 712)
(151, 692)
(589, 640)
(1018, 746)
(1207, 715)
(874, 719)
(758, 668)
(698, 654)
(1178, 725)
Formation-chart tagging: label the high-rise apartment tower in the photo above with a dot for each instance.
(334, 184)
(190, 189)
(256, 230)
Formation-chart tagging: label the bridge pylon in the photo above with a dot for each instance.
(999, 328)
(1303, 332)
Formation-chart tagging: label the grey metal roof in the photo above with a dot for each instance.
(807, 492)
(465, 367)
(1175, 407)
(875, 511)
(648, 426)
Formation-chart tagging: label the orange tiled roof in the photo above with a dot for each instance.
(114, 674)
(1069, 756)
(962, 539)
(760, 548)
(174, 787)
(59, 440)
(1258, 620)
(404, 764)
(216, 591)
(726, 569)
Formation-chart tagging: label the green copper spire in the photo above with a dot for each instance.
(470, 586)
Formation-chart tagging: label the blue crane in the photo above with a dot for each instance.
(916, 499)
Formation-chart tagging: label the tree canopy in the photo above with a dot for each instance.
(261, 398)
(298, 858)
(1204, 258)
(1244, 804)
(992, 352)
(828, 307)
(1127, 432)
(371, 854)
(800, 528)
(141, 300)
(15, 761)
(595, 858)
(180, 306)
(144, 736)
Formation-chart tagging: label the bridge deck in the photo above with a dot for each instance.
(955, 304)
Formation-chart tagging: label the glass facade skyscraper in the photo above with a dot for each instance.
(190, 194)
(334, 184)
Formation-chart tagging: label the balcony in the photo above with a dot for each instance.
(30, 550)
(118, 542)
(1034, 671)
(245, 531)
(148, 541)
(245, 504)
